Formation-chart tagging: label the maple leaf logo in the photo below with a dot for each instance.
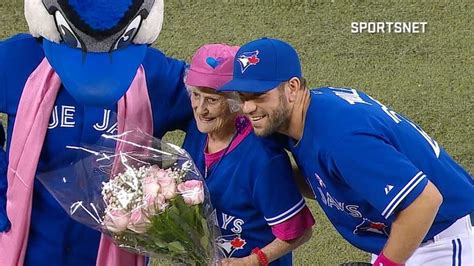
(247, 59)
(228, 244)
(254, 60)
(238, 243)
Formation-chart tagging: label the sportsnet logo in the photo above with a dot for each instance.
(248, 59)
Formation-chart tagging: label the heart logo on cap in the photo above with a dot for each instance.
(213, 62)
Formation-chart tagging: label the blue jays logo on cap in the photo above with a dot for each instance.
(367, 226)
(275, 61)
(247, 59)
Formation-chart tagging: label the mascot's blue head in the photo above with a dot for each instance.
(95, 46)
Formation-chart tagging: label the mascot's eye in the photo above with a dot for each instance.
(67, 34)
(128, 34)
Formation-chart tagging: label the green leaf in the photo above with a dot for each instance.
(175, 246)
(159, 243)
(205, 242)
(205, 227)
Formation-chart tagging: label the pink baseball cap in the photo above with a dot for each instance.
(212, 66)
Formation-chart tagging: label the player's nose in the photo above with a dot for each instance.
(248, 107)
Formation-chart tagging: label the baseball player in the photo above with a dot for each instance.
(384, 183)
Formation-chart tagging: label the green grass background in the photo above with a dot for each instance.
(427, 77)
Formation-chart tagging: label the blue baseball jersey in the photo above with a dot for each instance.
(251, 188)
(54, 238)
(365, 163)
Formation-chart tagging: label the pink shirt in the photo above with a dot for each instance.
(290, 229)
(211, 158)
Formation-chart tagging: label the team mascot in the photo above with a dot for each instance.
(86, 69)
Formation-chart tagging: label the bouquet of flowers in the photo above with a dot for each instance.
(147, 195)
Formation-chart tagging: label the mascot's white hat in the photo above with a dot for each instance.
(95, 46)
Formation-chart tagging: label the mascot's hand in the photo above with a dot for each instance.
(4, 222)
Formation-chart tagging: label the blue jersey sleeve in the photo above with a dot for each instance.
(3, 87)
(3, 157)
(377, 171)
(180, 111)
(19, 56)
(275, 192)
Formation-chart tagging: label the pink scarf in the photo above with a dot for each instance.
(36, 104)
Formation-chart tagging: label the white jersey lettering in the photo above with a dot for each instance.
(67, 116)
(226, 219)
(105, 122)
(349, 95)
(54, 121)
(237, 229)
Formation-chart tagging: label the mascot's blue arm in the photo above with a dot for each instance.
(14, 52)
(4, 223)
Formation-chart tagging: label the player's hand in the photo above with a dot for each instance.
(4, 222)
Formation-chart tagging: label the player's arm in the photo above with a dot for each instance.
(390, 182)
(411, 225)
(300, 181)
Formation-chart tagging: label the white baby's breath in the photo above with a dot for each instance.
(125, 190)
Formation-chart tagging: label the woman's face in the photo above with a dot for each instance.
(211, 110)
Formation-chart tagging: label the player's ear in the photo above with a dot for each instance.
(293, 86)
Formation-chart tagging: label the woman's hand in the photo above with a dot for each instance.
(251, 260)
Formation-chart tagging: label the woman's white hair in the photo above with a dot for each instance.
(233, 99)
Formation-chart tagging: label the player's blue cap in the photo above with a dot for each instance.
(95, 78)
(261, 65)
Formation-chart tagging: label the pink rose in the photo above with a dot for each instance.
(150, 186)
(167, 184)
(139, 223)
(116, 220)
(156, 171)
(192, 192)
(161, 173)
(153, 204)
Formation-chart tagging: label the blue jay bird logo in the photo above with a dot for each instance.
(247, 59)
(228, 244)
(367, 227)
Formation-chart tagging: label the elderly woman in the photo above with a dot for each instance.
(260, 223)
